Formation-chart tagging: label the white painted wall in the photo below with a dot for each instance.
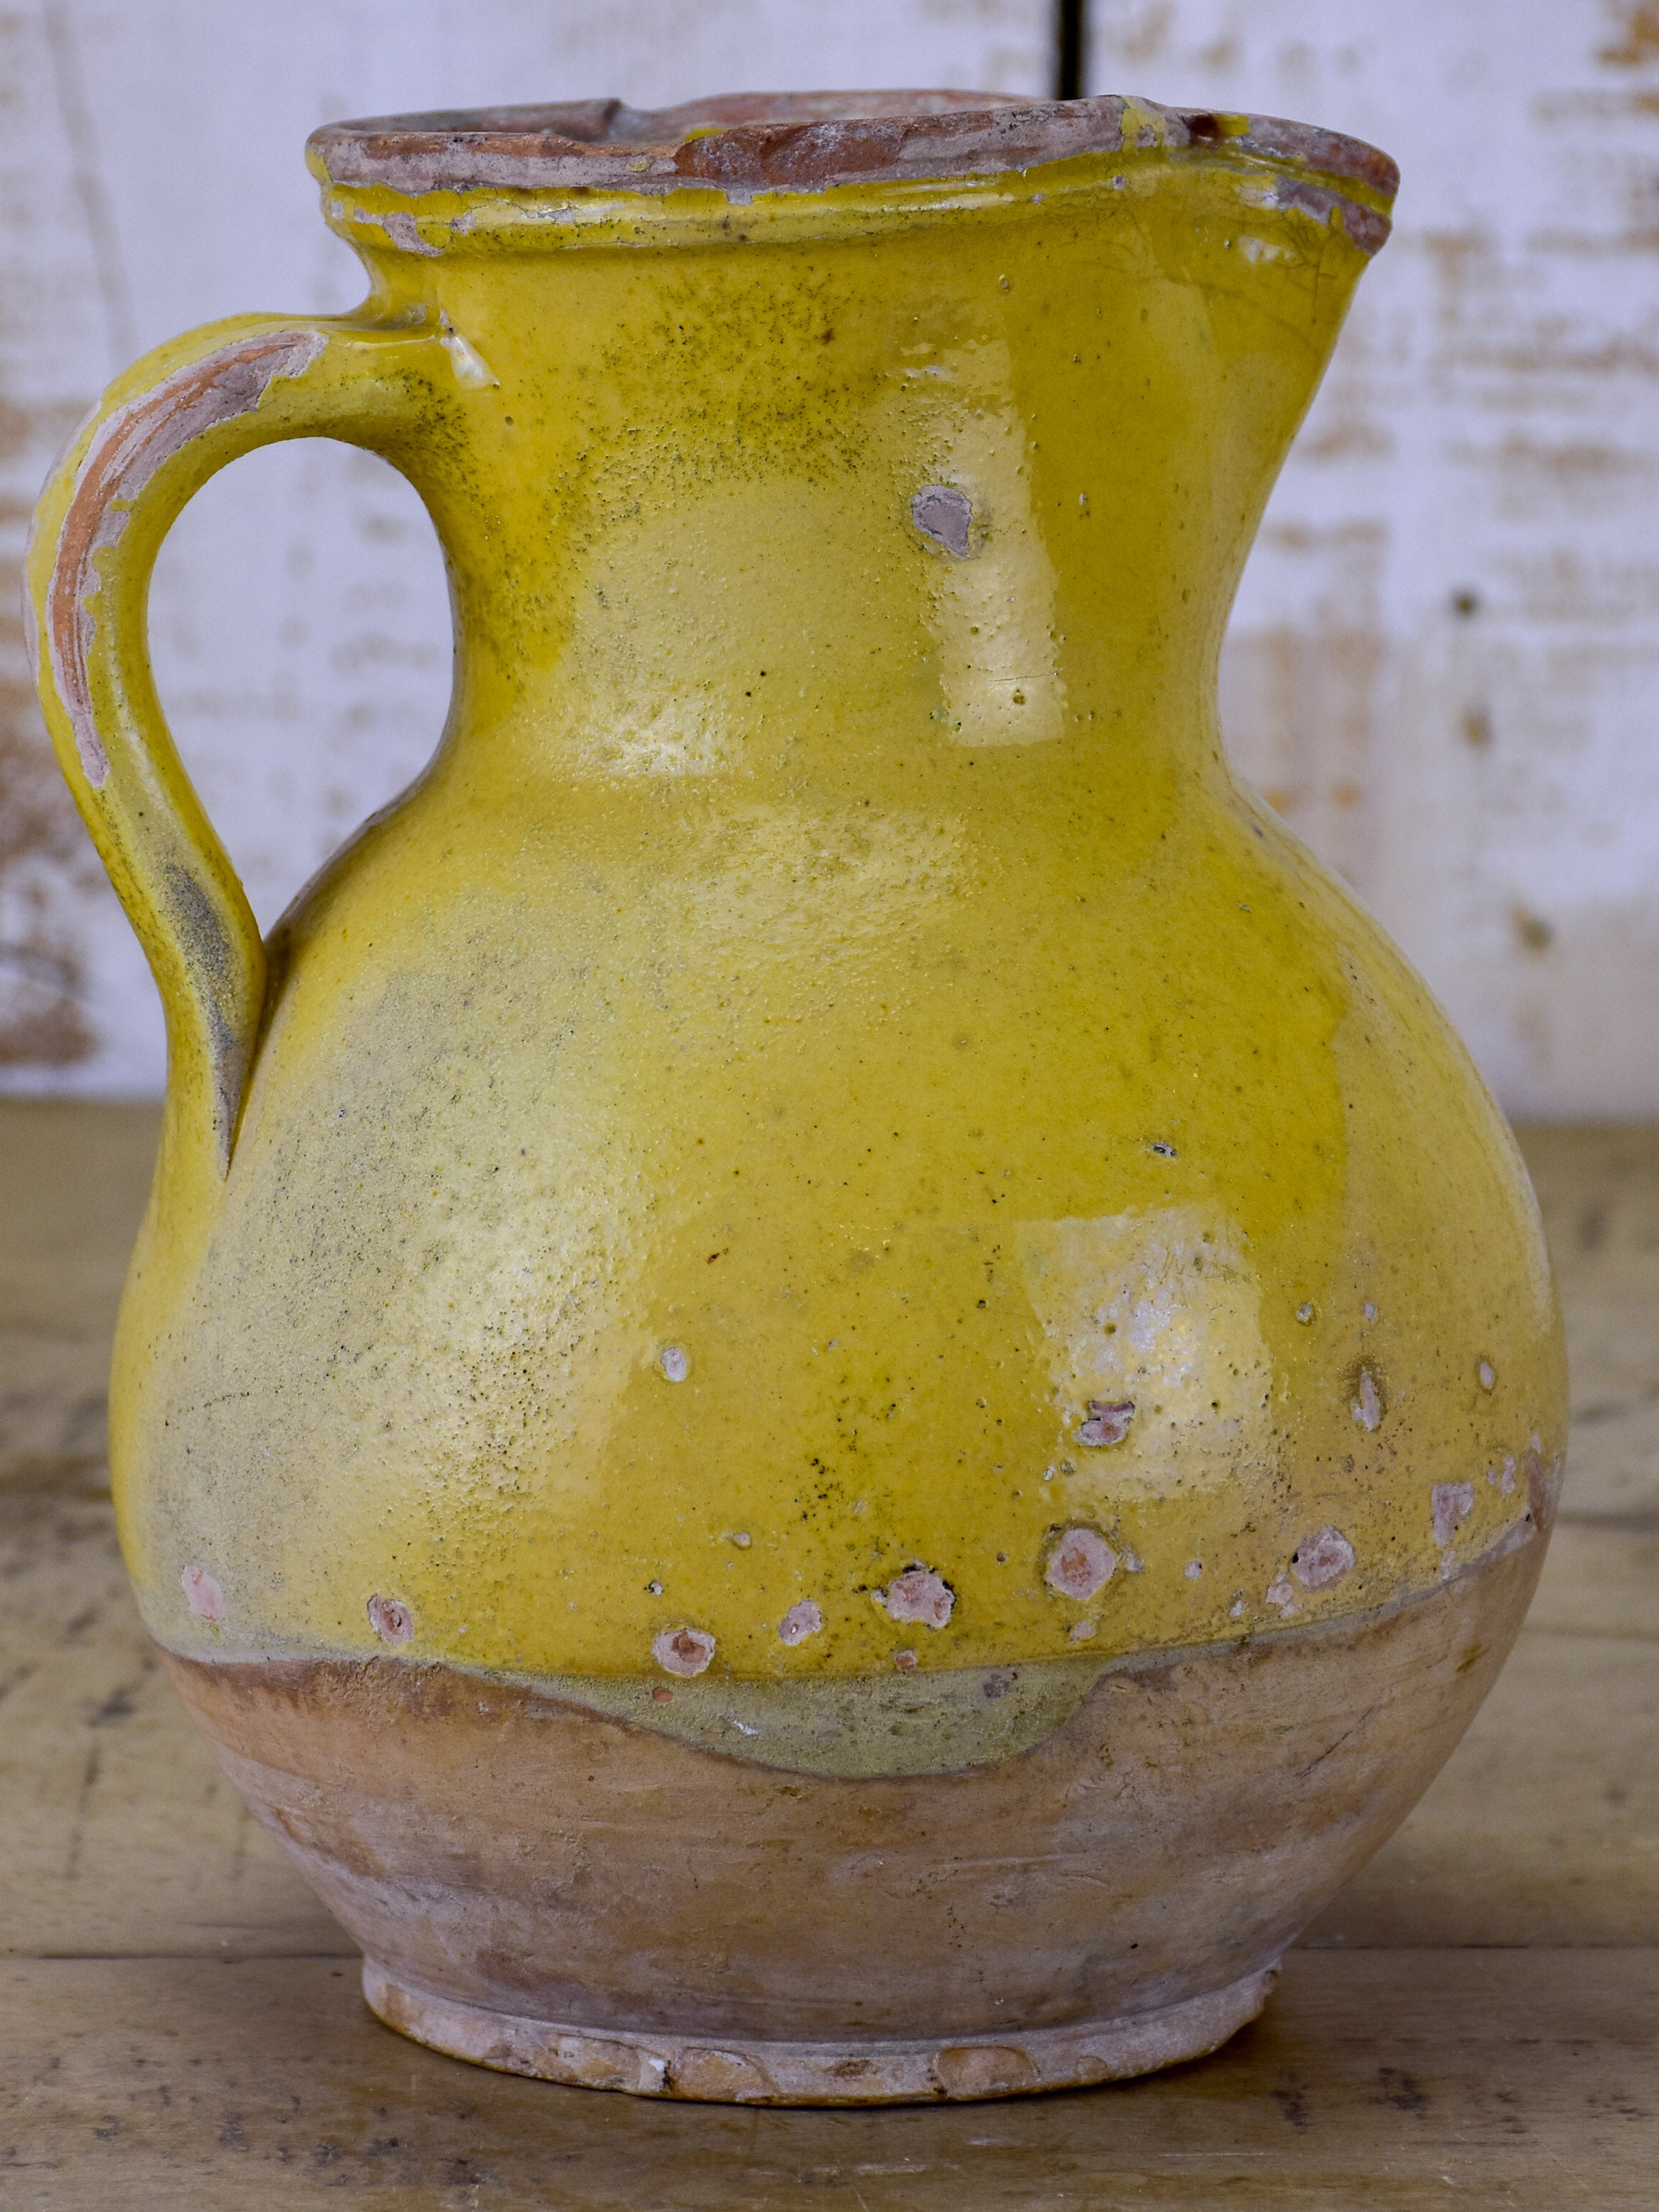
(1444, 663)
(1488, 439)
(152, 178)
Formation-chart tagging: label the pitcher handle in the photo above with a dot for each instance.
(159, 431)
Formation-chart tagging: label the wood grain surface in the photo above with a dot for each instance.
(1473, 2021)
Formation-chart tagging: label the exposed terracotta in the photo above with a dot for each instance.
(555, 1890)
(809, 142)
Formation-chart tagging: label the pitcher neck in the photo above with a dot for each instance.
(980, 464)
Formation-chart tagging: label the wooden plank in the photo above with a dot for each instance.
(1396, 2069)
(1521, 2079)
(1544, 1826)
(1601, 1579)
(121, 1834)
(1599, 1190)
(73, 1180)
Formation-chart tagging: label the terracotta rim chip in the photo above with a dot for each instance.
(745, 143)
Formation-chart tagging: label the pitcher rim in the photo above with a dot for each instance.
(750, 144)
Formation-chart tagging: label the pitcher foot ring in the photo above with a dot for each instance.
(736, 2071)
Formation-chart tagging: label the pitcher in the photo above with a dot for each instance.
(834, 1386)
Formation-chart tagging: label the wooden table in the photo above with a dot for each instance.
(1474, 2021)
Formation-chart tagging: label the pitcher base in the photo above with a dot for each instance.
(738, 2072)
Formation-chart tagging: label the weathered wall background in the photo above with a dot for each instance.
(1444, 663)
(1444, 667)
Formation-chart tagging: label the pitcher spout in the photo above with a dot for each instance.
(982, 399)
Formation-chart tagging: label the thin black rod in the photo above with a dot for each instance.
(1071, 48)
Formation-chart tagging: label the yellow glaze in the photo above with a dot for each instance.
(831, 970)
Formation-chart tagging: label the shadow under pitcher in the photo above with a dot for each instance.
(834, 1386)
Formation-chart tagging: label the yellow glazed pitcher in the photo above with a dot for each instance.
(834, 1386)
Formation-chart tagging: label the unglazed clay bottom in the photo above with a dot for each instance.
(735, 2072)
(555, 1891)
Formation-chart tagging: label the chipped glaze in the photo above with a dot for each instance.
(826, 1114)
